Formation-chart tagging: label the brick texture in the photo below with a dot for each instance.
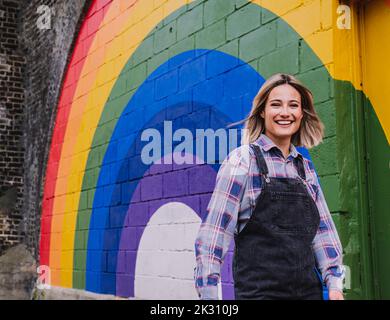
(12, 94)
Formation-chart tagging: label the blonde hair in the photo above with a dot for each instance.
(311, 130)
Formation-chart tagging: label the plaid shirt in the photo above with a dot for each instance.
(232, 202)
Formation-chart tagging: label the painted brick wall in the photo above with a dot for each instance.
(110, 69)
(135, 65)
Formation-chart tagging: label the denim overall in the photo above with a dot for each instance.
(273, 256)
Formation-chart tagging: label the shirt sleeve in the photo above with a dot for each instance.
(326, 245)
(217, 229)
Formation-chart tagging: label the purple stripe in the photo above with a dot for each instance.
(139, 214)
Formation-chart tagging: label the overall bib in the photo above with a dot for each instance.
(273, 256)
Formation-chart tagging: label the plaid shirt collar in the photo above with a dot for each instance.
(267, 144)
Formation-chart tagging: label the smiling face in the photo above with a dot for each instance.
(282, 113)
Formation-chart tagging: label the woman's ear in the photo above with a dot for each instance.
(262, 114)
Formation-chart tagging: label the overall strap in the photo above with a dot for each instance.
(298, 162)
(260, 159)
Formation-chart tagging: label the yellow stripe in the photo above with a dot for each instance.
(376, 66)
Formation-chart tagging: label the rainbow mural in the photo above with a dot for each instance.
(108, 219)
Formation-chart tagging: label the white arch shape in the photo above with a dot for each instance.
(166, 258)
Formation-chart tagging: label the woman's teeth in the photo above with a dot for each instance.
(284, 122)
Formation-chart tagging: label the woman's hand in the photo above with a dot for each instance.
(335, 295)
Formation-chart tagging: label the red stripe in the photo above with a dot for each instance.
(83, 43)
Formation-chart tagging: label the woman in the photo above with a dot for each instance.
(268, 196)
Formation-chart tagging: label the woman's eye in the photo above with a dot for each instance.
(294, 106)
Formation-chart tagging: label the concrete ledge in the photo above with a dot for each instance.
(58, 293)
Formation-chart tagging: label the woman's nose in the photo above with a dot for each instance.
(284, 111)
